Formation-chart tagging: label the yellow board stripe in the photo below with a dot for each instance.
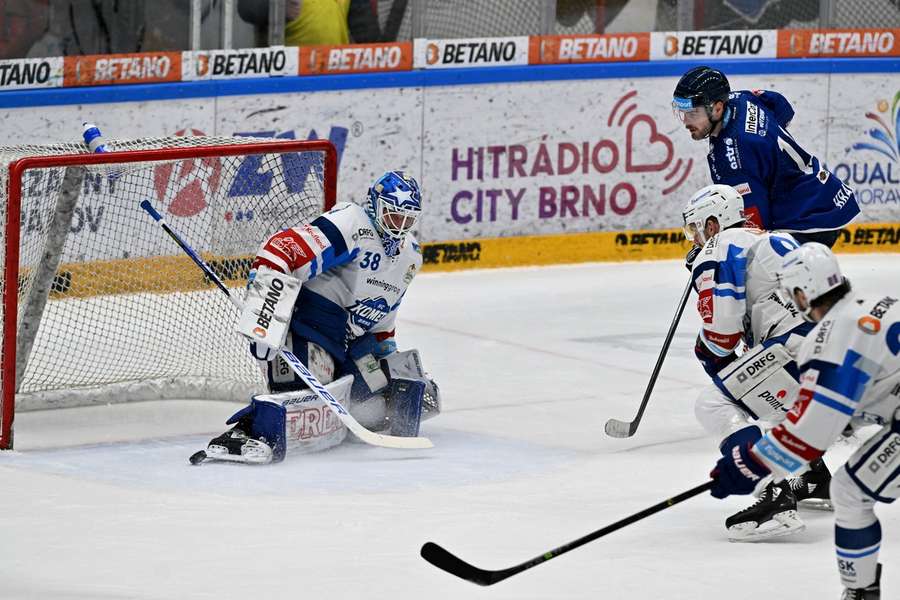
(603, 246)
(166, 274)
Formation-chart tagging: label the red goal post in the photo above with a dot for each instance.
(98, 305)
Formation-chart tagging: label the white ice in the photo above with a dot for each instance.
(100, 502)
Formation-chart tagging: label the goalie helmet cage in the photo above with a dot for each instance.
(98, 305)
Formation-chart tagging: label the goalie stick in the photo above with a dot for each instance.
(369, 437)
(454, 565)
(623, 429)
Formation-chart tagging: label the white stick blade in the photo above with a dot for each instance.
(389, 441)
(618, 429)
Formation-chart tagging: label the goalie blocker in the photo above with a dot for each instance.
(299, 422)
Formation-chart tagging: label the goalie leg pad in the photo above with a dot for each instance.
(320, 363)
(274, 424)
(408, 365)
(406, 398)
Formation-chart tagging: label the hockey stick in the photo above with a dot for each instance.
(370, 437)
(622, 429)
(454, 565)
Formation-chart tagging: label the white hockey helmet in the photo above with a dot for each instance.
(811, 268)
(722, 202)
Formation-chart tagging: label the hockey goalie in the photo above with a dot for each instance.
(329, 292)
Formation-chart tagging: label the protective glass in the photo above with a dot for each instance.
(693, 231)
(690, 115)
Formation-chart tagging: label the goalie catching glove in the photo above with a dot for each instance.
(268, 307)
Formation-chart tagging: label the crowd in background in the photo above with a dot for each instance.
(41, 28)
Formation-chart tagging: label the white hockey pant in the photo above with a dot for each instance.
(870, 475)
(720, 417)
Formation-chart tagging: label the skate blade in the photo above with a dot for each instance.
(252, 458)
(816, 504)
(780, 525)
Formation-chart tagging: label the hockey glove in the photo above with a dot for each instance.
(691, 257)
(738, 472)
(712, 363)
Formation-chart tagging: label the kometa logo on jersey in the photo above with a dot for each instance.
(368, 311)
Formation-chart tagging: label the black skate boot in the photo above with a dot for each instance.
(773, 515)
(236, 446)
(870, 592)
(811, 489)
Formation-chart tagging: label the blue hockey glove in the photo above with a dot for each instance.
(738, 472)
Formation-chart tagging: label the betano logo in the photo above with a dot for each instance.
(875, 181)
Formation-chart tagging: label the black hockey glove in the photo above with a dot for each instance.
(691, 257)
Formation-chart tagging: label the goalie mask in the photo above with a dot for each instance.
(394, 205)
(813, 269)
(721, 202)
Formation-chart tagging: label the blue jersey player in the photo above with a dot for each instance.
(785, 188)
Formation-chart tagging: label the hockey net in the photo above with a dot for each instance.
(99, 305)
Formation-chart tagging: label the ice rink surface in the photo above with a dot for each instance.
(100, 503)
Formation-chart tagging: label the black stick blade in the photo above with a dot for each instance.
(454, 565)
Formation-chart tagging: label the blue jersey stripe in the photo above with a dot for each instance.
(845, 379)
(858, 554)
(833, 404)
(333, 234)
(729, 293)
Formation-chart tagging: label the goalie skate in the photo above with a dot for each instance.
(773, 515)
(235, 446)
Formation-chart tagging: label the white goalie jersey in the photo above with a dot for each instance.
(734, 276)
(369, 286)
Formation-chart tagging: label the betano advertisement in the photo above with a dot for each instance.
(506, 168)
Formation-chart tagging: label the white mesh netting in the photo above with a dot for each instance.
(128, 315)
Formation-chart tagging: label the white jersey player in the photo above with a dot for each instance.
(329, 291)
(734, 275)
(849, 374)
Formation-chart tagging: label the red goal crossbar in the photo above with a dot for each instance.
(17, 169)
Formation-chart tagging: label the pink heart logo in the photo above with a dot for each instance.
(646, 143)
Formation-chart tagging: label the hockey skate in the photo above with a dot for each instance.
(811, 489)
(773, 515)
(870, 592)
(235, 446)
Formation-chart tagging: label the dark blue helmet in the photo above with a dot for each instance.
(701, 86)
(395, 203)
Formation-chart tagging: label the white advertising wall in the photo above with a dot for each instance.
(499, 160)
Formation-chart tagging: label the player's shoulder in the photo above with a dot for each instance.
(412, 249)
(735, 240)
(350, 218)
(855, 323)
(750, 123)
